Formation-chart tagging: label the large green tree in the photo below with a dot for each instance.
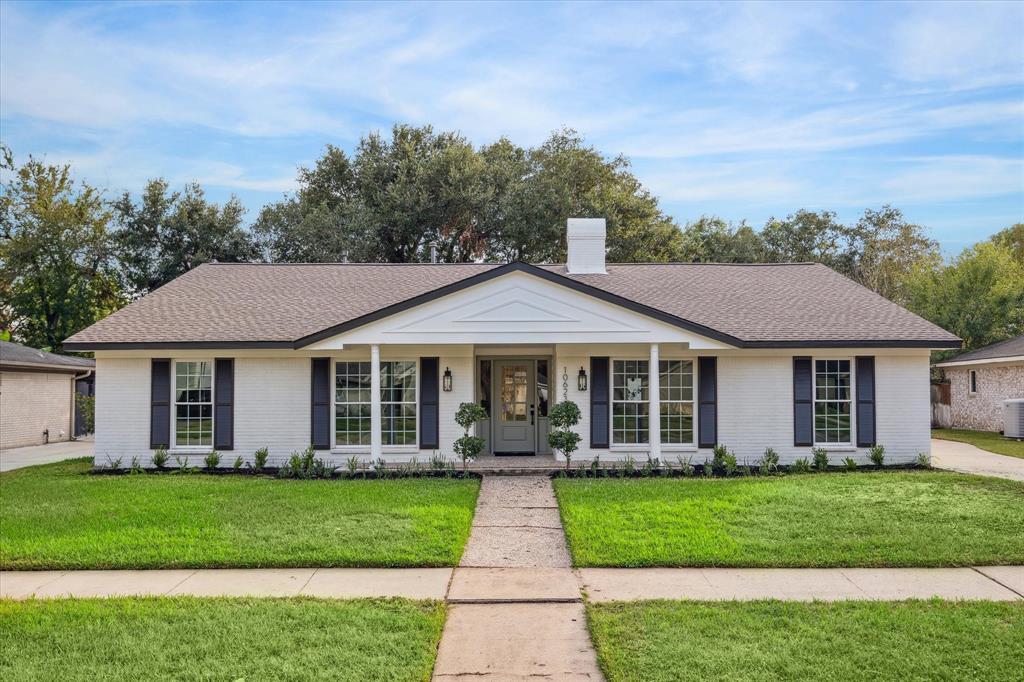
(165, 234)
(979, 296)
(57, 270)
(710, 239)
(396, 197)
(1013, 239)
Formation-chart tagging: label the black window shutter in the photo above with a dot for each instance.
(707, 398)
(803, 403)
(599, 429)
(224, 404)
(429, 427)
(160, 404)
(865, 401)
(320, 427)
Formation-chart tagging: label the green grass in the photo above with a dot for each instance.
(57, 516)
(218, 639)
(848, 641)
(837, 519)
(986, 440)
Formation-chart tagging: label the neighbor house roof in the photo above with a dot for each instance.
(292, 305)
(1003, 351)
(17, 356)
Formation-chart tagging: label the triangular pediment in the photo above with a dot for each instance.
(517, 307)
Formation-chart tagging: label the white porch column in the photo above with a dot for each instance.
(654, 418)
(375, 422)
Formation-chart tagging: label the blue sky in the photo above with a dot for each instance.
(739, 110)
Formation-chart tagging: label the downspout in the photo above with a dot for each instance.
(74, 393)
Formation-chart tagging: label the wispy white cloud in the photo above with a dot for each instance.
(721, 105)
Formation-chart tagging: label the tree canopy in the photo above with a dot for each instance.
(57, 268)
(395, 197)
(166, 234)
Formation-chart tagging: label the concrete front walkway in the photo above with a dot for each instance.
(516, 612)
(16, 458)
(965, 458)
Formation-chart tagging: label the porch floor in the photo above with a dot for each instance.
(514, 464)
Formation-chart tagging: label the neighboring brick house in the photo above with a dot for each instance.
(37, 394)
(981, 380)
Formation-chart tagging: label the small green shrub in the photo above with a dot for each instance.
(718, 455)
(113, 463)
(239, 462)
(708, 468)
(877, 455)
(850, 463)
(136, 467)
(800, 466)
(730, 464)
(628, 466)
(685, 465)
(212, 460)
(259, 459)
(820, 458)
(160, 458)
(182, 463)
(87, 408)
(595, 466)
(380, 468)
(769, 461)
(924, 460)
(352, 466)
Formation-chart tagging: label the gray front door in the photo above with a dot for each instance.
(513, 418)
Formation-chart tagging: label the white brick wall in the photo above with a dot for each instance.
(983, 410)
(122, 409)
(755, 403)
(31, 402)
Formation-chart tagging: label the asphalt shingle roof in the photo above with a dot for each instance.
(15, 353)
(258, 304)
(1003, 349)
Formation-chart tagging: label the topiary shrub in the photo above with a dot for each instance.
(562, 418)
(466, 446)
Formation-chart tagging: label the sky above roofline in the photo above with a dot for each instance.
(740, 110)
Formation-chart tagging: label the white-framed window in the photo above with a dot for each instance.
(193, 403)
(398, 402)
(675, 380)
(630, 402)
(351, 403)
(973, 378)
(398, 399)
(833, 402)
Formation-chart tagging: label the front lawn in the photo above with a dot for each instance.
(58, 516)
(218, 639)
(857, 640)
(838, 519)
(986, 440)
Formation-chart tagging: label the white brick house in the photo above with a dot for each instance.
(373, 360)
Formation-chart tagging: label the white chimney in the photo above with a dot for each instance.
(585, 239)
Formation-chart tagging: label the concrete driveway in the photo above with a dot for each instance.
(965, 458)
(15, 458)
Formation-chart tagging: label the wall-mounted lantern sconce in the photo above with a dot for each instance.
(581, 380)
(446, 380)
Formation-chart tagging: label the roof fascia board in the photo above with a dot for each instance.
(981, 361)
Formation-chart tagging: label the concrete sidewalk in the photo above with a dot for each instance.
(497, 585)
(16, 458)
(968, 459)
